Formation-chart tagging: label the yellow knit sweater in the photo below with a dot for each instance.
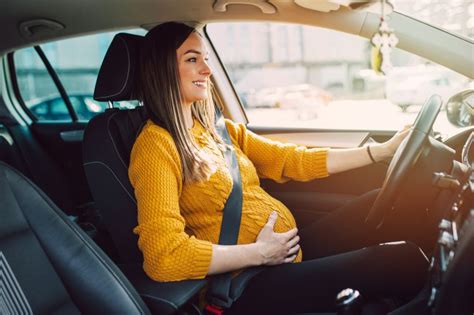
(177, 223)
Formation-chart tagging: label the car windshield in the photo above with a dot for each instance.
(455, 16)
(303, 76)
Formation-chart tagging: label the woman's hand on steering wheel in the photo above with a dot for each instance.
(387, 149)
(404, 159)
(277, 248)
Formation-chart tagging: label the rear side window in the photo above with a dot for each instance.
(36, 87)
(76, 62)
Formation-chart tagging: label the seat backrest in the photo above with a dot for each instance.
(49, 265)
(19, 148)
(108, 141)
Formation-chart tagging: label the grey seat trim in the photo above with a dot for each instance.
(12, 298)
(112, 139)
(115, 175)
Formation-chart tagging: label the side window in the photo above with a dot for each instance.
(302, 76)
(40, 111)
(76, 62)
(36, 87)
(58, 110)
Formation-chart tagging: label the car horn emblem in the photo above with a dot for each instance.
(382, 42)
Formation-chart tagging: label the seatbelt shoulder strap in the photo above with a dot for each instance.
(219, 291)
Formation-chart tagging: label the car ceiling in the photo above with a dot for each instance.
(91, 16)
(87, 16)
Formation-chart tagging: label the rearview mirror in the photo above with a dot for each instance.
(460, 109)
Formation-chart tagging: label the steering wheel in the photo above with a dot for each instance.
(403, 161)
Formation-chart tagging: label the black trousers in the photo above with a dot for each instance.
(339, 251)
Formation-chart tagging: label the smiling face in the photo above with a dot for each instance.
(194, 72)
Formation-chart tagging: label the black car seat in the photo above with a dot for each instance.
(108, 141)
(48, 265)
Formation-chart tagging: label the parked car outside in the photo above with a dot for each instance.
(52, 108)
(291, 96)
(407, 86)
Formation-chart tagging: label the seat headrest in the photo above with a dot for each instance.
(117, 73)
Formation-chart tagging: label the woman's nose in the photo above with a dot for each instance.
(206, 70)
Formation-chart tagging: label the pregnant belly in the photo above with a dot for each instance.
(257, 207)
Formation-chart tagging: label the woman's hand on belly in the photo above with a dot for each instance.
(277, 248)
(270, 248)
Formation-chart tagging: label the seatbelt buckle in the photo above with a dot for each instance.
(211, 309)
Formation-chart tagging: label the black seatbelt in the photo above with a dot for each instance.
(219, 292)
(224, 289)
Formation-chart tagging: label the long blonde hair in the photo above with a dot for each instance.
(158, 87)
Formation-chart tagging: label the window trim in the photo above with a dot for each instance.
(16, 88)
(17, 92)
(57, 82)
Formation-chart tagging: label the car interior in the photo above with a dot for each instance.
(67, 208)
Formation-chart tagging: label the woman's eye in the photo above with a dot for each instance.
(192, 59)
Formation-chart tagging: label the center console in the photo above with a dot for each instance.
(452, 265)
(450, 287)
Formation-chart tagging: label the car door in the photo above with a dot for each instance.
(315, 87)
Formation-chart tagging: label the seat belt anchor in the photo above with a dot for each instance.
(211, 309)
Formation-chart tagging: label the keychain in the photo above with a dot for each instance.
(382, 43)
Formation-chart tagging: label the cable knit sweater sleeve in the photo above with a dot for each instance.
(279, 161)
(170, 254)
